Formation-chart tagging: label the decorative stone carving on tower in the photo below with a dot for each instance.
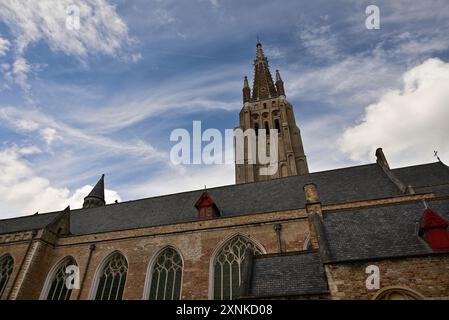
(96, 197)
(268, 108)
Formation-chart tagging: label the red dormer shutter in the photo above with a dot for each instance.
(206, 207)
(434, 230)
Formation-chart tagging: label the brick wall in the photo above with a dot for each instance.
(195, 242)
(427, 275)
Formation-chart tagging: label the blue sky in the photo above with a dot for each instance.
(103, 99)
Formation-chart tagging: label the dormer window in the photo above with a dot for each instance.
(433, 229)
(206, 207)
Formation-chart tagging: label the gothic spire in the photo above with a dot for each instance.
(246, 90)
(96, 197)
(263, 86)
(279, 84)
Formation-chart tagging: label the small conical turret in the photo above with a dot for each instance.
(96, 197)
(246, 90)
(279, 84)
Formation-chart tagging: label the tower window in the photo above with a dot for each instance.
(277, 125)
(256, 128)
(267, 128)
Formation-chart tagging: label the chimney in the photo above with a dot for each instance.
(381, 159)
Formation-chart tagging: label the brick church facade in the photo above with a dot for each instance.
(362, 232)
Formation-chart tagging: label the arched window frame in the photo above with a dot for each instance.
(5, 256)
(99, 271)
(218, 250)
(380, 294)
(51, 274)
(150, 268)
(277, 125)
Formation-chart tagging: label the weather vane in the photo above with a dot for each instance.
(435, 154)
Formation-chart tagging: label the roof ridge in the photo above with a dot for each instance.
(418, 165)
(215, 188)
(32, 215)
(234, 185)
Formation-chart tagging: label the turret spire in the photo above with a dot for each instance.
(279, 84)
(246, 90)
(96, 197)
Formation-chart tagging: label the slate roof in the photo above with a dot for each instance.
(300, 273)
(378, 232)
(432, 177)
(334, 186)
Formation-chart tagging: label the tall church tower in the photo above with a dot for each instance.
(267, 108)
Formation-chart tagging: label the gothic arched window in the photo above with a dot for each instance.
(112, 278)
(277, 126)
(6, 266)
(398, 293)
(166, 276)
(227, 267)
(58, 289)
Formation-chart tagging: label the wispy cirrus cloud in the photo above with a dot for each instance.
(4, 46)
(51, 129)
(101, 32)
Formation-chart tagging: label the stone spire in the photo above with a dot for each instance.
(96, 197)
(279, 84)
(268, 108)
(246, 90)
(263, 86)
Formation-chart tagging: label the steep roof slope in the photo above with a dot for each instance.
(378, 232)
(334, 186)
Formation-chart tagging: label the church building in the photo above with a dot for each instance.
(363, 232)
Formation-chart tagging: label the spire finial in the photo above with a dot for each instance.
(435, 154)
(278, 75)
(245, 82)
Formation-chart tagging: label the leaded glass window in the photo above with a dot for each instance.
(112, 278)
(166, 276)
(6, 266)
(58, 289)
(227, 267)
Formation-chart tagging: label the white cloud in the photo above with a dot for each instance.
(101, 29)
(23, 192)
(409, 123)
(4, 46)
(20, 70)
(320, 40)
(29, 150)
(351, 82)
(48, 134)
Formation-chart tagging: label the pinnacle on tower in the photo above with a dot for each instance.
(96, 197)
(246, 90)
(279, 84)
